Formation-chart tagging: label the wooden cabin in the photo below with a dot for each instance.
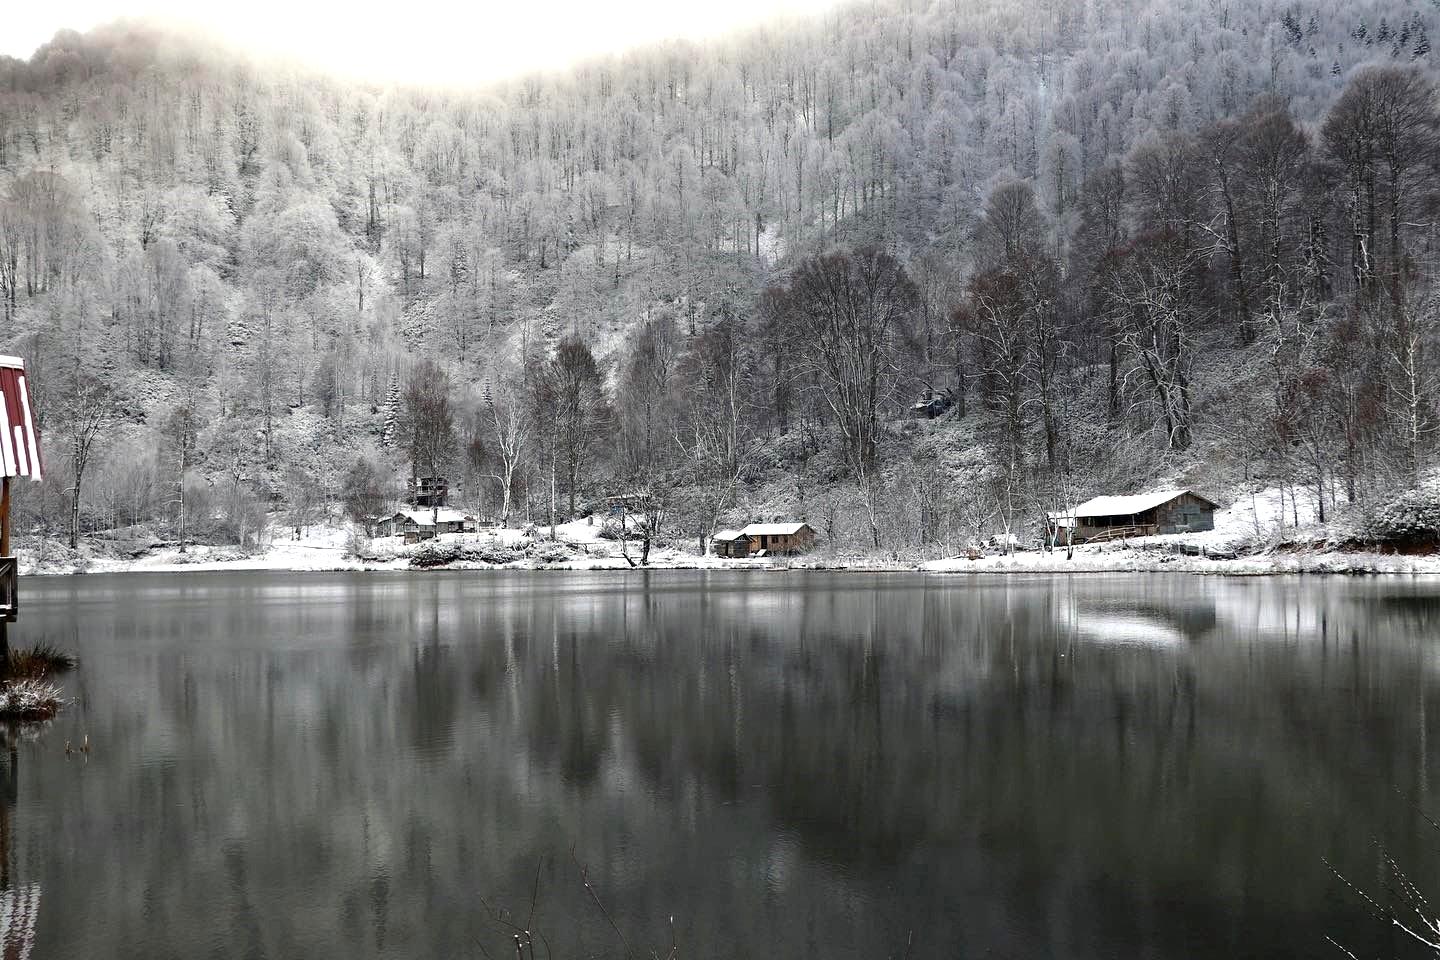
(772, 539)
(422, 524)
(429, 491)
(730, 543)
(1141, 515)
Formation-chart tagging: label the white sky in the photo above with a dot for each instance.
(441, 41)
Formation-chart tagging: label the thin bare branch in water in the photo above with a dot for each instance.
(585, 879)
(1379, 911)
(499, 917)
(523, 937)
(1410, 802)
(1408, 891)
(1331, 941)
(1408, 894)
(535, 892)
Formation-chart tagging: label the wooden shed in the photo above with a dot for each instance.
(1141, 515)
(730, 543)
(778, 538)
(422, 524)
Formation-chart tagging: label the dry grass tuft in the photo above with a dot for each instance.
(38, 663)
(29, 700)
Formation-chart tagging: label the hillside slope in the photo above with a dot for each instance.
(251, 257)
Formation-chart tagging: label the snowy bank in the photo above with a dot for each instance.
(1248, 539)
(1132, 559)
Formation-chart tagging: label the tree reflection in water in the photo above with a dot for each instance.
(790, 765)
(19, 900)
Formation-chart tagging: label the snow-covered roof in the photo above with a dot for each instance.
(728, 535)
(773, 529)
(426, 516)
(1128, 506)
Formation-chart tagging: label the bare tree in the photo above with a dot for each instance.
(1157, 314)
(304, 498)
(569, 410)
(646, 410)
(712, 429)
(365, 493)
(1383, 132)
(1012, 228)
(179, 437)
(851, 308)
(511, 432)
(428, 429)
(996, 320)
(86, 409)
(1412, 379)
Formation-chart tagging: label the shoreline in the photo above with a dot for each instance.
(334, 547)
(1317, 563)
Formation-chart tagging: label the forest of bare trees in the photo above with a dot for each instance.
(1137, 242)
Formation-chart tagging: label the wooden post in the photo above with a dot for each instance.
(5, 519)
(4, 552)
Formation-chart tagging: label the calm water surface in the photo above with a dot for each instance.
(790, 765)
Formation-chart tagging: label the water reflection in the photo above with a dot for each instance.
(1135, 616)
(19, 899)
(791, 765)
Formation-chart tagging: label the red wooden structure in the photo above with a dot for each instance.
(19, 457)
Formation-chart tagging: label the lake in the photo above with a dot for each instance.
(797, 764)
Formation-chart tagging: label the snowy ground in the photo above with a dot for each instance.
(1243, 542)
(576, 546)
(324, 547)
(1255, 535)
(1139, 557)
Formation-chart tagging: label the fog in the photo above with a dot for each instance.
(453, 43)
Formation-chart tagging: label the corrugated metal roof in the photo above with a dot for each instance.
(773, 529)
(20, 443)
(1128, 506)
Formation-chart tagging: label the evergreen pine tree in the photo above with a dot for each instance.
(1291, 23)
(392, 413)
